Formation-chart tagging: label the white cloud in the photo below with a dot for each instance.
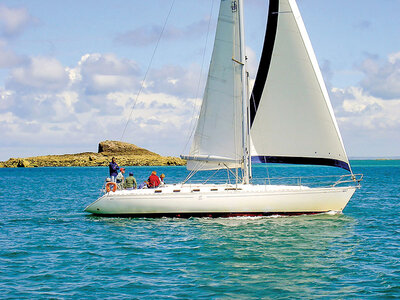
(382, 79)
(252, 62)
(394, 58)
(107, 64)
(7, 57)
(161, 122)
(369, 114)
(106, 73)
(177, 80)
(41, 73)
(48, 104)
(146, 35)
(370, 125)
(7, 118)
(365, 111)
(14, 20)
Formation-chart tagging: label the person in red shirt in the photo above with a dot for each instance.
(153, 180)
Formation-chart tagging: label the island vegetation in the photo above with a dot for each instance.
(126, 154)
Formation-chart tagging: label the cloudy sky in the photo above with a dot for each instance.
(70, 71)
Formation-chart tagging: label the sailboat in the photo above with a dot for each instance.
(287, 118)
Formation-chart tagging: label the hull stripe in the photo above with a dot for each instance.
(208, 215)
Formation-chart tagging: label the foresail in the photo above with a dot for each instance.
(292, 119)
(218, 132)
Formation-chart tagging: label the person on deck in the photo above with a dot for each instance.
(130, 182)
(143, 185)
(113, 166)
(153, 180)
(162, 183)
(120, 178)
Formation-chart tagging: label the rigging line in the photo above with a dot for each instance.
(196, 168)
(211, 176)
(191, 126)
(229, 170)
(148, 68)
(269, 179)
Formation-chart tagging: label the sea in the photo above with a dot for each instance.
(51, 249)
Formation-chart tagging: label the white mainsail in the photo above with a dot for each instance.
(291, 114)
(218, 137)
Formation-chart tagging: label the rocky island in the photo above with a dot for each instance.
(125, 153)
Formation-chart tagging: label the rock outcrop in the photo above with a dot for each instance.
(116, 147)
(125, 153)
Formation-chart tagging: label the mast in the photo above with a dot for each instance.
(245, 124)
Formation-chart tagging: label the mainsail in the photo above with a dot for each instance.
(291, 116)
(218, 137)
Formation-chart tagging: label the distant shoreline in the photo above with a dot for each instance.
(90, 159)
(375, 158)
(126, 154)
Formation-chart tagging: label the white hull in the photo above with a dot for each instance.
(222, 200)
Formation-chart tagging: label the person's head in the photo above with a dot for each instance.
(130, 174)
(122, 170)
(154, 173)
(162, 176)
(113, 159)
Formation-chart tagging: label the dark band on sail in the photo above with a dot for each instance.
(266, 57)
(301, 161)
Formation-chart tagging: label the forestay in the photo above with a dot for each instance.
(292, 119)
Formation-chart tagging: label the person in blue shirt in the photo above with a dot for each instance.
(113, 169)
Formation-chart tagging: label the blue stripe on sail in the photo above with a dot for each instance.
(301, 161)
(265, 60)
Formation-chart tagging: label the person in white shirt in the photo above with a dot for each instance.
(162, 176)
(120, 178)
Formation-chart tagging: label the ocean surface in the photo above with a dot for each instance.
(50, 248)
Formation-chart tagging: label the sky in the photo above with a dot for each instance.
(71, 71)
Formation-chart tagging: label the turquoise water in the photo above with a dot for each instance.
(50, 248)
